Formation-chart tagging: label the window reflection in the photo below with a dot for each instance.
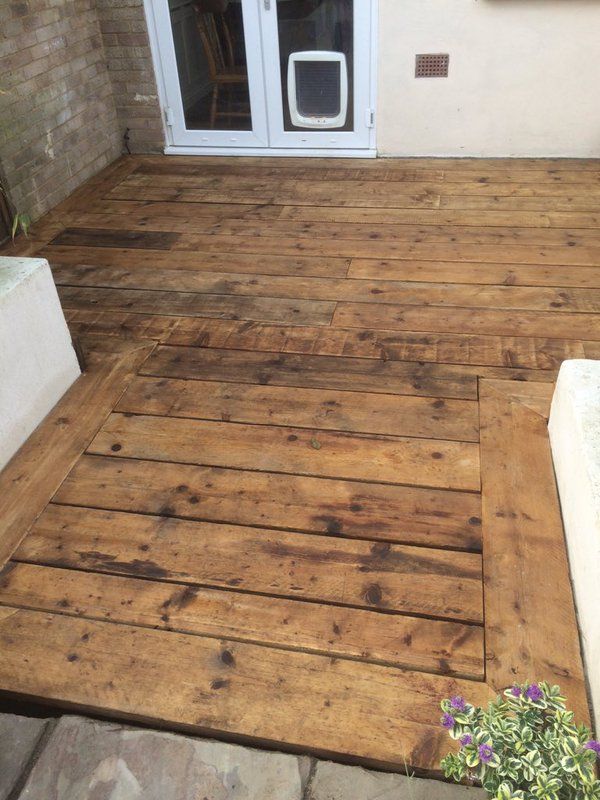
(211, 63)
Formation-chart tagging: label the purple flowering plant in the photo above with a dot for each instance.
(524, 746)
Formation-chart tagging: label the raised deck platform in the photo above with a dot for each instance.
(304, 490)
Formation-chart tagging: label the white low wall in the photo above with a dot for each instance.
(524, 78)
(575, 438)
(37, 360)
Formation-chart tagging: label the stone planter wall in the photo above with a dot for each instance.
(37, 360)
(575, 438)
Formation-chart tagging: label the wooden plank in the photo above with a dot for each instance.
(474, 164)
(276, 194)
(35, 472)
(322, 372)
(356, 412)
(348, 572)
(538, 298)
(397, 640)
(580, 203)
(401, 514)
(121, 325)
(353, 374)
(438, 271)
(432, 216)
(97, 237)
(229, 167)
(269, 309)
(205, 686)
(524, 552)
(213, 262)
(351, 343)
(153, 220)
(477, 273)
(268, 448)
(139, 210)
(483, 253)
(445, 348)
(358, 191)
(491, 321)
(480, 170)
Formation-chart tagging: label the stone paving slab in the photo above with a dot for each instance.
(18, 739)
(89, 760)
(336, 782)
(84, 759)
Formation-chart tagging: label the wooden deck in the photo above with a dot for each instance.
(304, 489)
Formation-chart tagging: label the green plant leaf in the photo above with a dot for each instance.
(537, 750)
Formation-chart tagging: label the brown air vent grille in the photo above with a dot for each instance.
(432, 65)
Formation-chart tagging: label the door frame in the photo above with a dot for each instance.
(250, 149)
(175, 118)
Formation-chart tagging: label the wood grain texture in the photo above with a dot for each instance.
(130, 258)
(271, 223)
(285, 503)
(119, 670)
(403, 514)
(265, 448)
(357, 412)
(191, 304)
(98, 237)
(515, 352)
(397, 640)
(322, 372)
(37, 469)
(430, 379)
(140, 211)
(526, 570)
(492, 321)
(337, 289)
(411, 580)
(488, 274)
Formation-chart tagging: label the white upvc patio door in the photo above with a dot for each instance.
(225, 66)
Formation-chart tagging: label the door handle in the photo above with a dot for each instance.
(267, 5)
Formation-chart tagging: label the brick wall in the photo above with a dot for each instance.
(74, 75)
(58, 122)
(125, 37)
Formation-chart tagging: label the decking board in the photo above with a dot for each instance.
(373, 511)
(394, 578)
(318, 506)
(434, 463)
(394, 640)
(359, 412)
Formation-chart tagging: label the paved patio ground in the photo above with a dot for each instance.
(75, 758)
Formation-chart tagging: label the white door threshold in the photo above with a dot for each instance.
(174, 150)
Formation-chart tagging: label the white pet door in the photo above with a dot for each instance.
(317, 89)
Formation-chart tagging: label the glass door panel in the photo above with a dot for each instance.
(318, 91)
(211, 64)
(319, 27)
(214, 82)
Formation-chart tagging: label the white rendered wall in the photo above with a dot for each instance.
(37, 360)
(575, 438)
(524, 78)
